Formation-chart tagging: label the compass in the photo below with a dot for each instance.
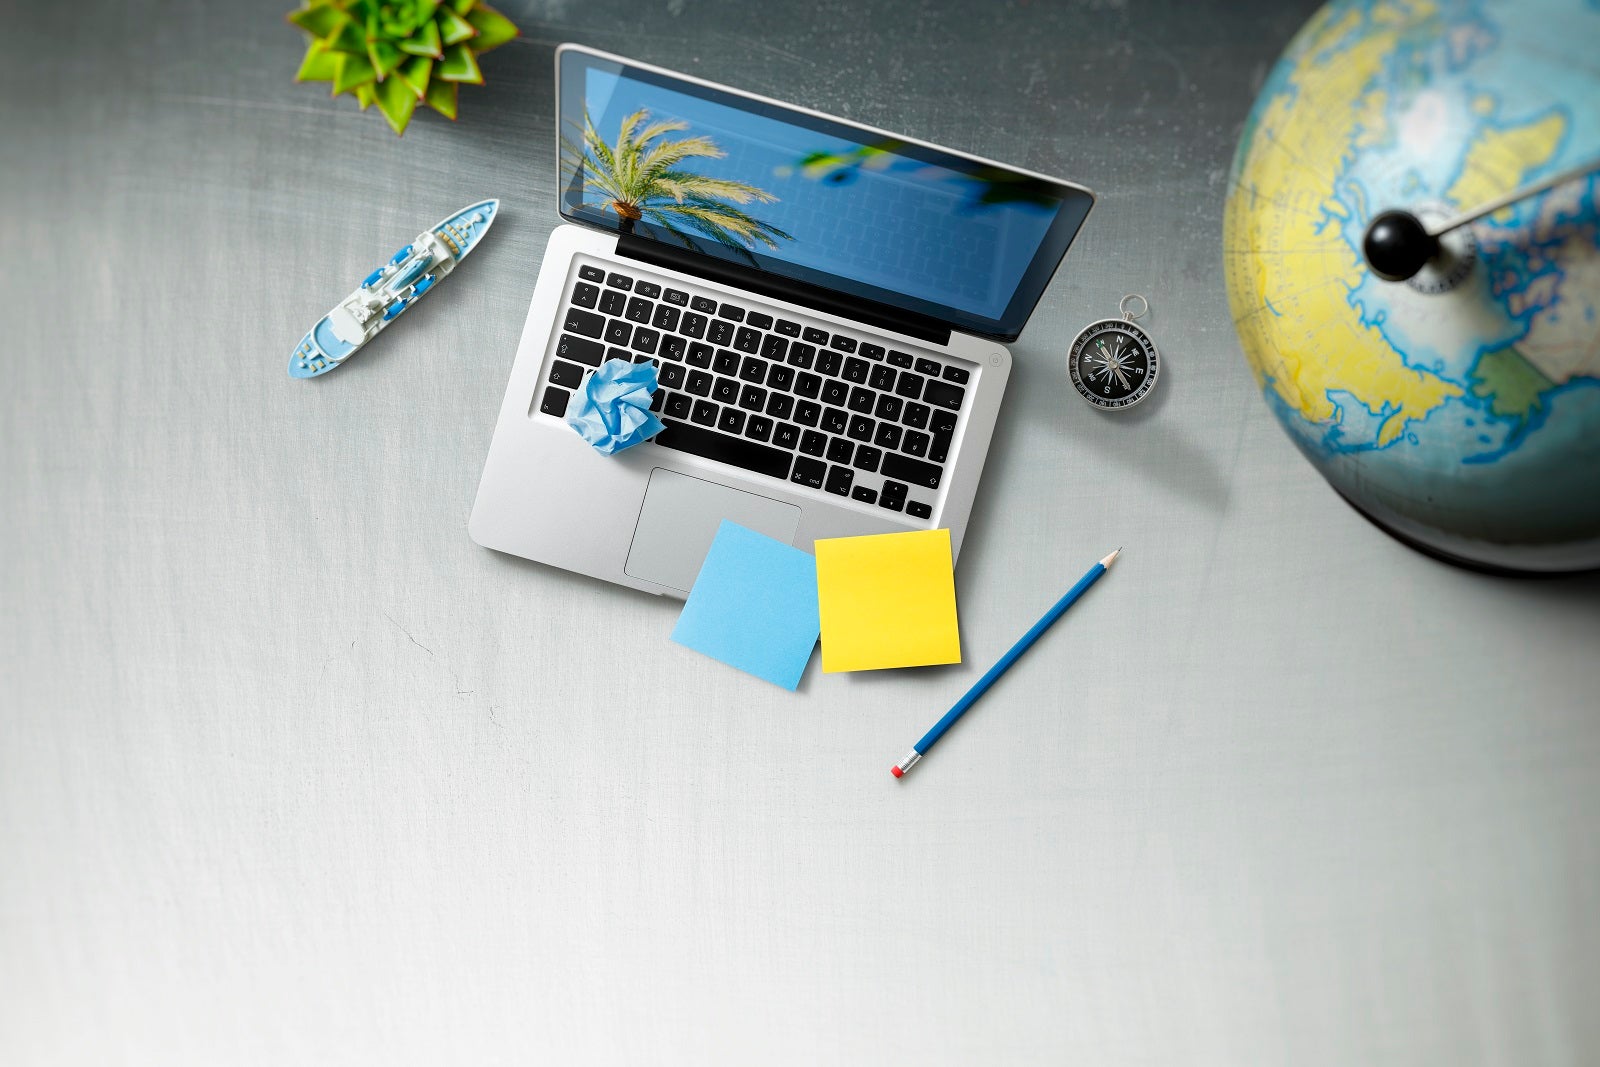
(1114, 364)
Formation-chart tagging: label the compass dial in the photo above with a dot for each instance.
(1113, 364)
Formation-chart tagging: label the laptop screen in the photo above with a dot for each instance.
(748, 180)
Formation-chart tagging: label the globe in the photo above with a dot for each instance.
(1458, 409)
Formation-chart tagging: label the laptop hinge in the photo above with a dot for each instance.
(867, 312)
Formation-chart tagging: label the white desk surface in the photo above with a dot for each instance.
(292, 772)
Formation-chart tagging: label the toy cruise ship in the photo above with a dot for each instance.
(389, 290)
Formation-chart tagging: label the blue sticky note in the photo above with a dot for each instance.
(754, 606)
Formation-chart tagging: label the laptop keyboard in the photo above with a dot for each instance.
(842, 413)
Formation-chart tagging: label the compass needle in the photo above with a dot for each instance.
(1113, 363)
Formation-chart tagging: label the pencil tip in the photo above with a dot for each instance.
(1109, 560)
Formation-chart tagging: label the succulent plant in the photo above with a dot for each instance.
(399, 53)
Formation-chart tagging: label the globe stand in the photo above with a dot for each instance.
(1451, 558)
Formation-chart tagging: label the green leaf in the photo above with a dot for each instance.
(417, 73)
(442, 97)
(397, 102)
(366, 94)
(459, 66)
(353, 71)
(454, 28)
(385, 57)
(349, 39)
(425, 43)
(320, 65)
(461, 7)
(319, 20)
(426, 8)
(494, 29)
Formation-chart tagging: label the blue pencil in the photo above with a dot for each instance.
(1003, 665)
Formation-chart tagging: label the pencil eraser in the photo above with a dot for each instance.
(896, 771)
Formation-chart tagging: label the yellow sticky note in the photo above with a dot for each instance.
(888, 600)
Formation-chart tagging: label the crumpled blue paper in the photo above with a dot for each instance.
(612, 407)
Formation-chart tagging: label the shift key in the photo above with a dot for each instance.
(911, 470)
(585, 322)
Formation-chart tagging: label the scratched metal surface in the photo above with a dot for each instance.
(290, 771)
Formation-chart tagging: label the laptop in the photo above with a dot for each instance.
(826, 305)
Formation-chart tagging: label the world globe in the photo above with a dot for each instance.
(1458, 408)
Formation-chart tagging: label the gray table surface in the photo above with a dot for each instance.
(292, 772)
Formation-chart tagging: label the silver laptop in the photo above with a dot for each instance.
(824, 304)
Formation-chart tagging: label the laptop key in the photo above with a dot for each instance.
(700, 383)
(893, 496)
(939, 450)
(882, 379)
(693, 325)
(834, 420)
(591, 274)
(752, 398)
(705, 413)
(673, 347)
(918, 510)
(678, 406)
(868, 458)
(861, 400)
(619, 281)
(747, 340)
(586, 323)
(786, 434)
(758, 320)
(861, 428)
(613, 303)
(666, 317)
(672, 375)
(657, 400)
(865, 495)
(585, 295)
(839, 480)
(807, 385)
(816, 336)
(759, 428)
(928, 367)
(619, 353)
(774, 347)
(736, 451)
(958, 375)
(834, 392)
(650, 289)
(888, 435)
(555, 401)
(828, 361)
(916, 416)
(813, 443)
(855, 370)
(726, 391)
(704, 305)
(677, 296)
(581, 349)
(809, 472)
(942, 422)
(840, 450)
(645, 340)
(911, 470)
(569, 375)
(731, 311)
(870, 350)
(726, 362)
(700, 354)
(909, 385)
(780, 405)
(780, 376)
(788, 328)
(721, 332)
(916, 443)
(943, 394)
(732, 421)
(618, 332)
(900, 359)
(801, 355)
(807, 412)
(753, 369)
(843, 343)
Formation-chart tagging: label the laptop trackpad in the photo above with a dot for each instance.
(680, 518)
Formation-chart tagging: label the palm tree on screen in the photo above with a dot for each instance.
(642, 177)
